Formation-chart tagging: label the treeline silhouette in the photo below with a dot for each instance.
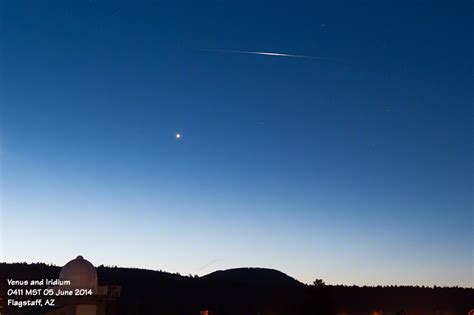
(253, 291)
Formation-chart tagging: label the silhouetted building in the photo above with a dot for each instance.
(80, 277)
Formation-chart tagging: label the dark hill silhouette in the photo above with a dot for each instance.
(261, 277)
(251, 291)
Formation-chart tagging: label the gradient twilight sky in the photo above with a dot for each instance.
(356, 171)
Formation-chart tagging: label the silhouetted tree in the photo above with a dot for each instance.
(319, 283)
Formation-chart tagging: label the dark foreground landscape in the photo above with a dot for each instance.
(250, 291)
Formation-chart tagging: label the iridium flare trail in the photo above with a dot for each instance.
(266, 53)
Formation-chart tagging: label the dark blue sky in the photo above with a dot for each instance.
(354, 171)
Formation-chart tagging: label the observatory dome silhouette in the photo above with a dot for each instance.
(81, 273)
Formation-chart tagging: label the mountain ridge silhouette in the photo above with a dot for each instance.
(251, 291)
